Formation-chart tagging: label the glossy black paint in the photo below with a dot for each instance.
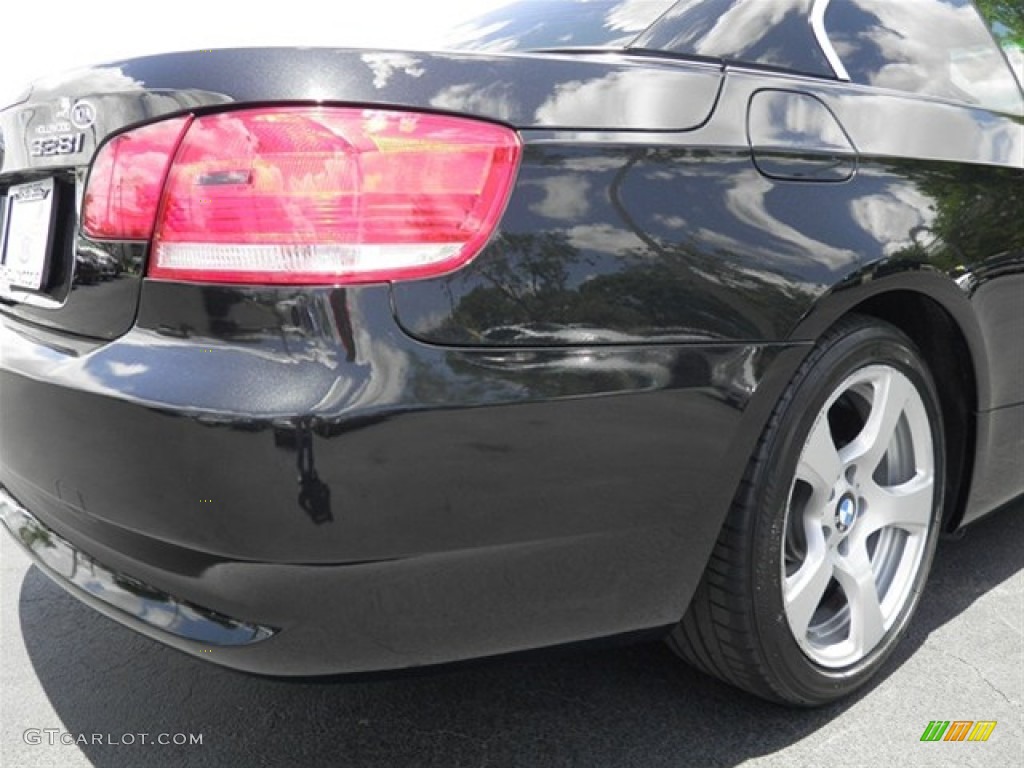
(794, 137)
(265, 364)
(526, 25)
(742, 254)
(542, 446)
(94, 289)
(445, 467)
(117, 593)
(881, 46)
(599, 90)
(772, 34)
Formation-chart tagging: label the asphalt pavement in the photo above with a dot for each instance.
(69, 674)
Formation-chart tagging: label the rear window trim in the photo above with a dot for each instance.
(818, 11)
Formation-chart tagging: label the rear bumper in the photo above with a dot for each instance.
(358, 617)
(471, 501)
(119, 594)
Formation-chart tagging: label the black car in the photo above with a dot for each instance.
(703, 317)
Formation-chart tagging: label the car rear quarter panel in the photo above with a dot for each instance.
(680, 237)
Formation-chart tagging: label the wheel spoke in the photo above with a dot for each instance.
(907, 506)
(853, 571)
(819, 462)
(804, 590)
(891, 393)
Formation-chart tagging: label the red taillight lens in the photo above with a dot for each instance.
(127, 179)
(306, 194)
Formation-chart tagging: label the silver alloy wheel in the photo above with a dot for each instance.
(858, 516)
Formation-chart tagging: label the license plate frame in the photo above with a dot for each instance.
(26, 234)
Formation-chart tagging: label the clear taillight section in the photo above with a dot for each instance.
(313, 195)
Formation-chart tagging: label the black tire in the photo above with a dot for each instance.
(739, 626)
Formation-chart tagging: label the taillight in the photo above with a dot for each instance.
(127, 180)
(320, 195)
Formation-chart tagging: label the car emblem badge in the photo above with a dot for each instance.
(846, 513)
(83, 114)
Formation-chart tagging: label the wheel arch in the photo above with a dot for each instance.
(937, 316)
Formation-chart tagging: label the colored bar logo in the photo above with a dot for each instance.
(958, 730)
